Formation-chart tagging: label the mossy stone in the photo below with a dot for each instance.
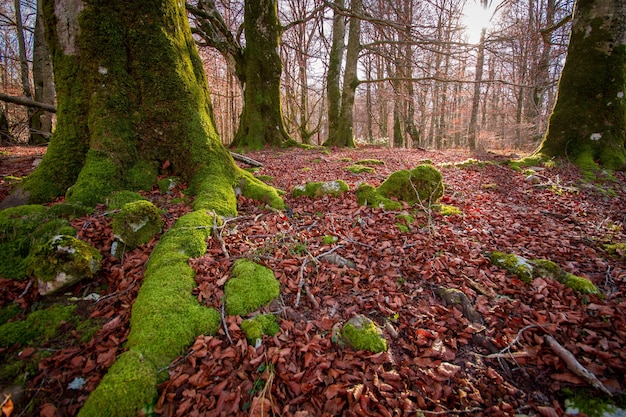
(369, 162)
(250, 287)
(423, 184)
(259, 325)
(359, 169)
(362, 334)
(63, 261)
(137, 223)
(515, 264)
(367, 195)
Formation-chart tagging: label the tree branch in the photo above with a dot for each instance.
(23, 101)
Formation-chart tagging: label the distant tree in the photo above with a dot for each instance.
(588, 123)
(6, 137)
(257, 65)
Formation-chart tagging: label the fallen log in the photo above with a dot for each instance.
(246, 160)
(23, 101)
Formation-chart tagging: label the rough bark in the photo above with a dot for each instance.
(43, 79)
(333, 76)
(6, 137)
(261, 122)
(480, 60)
(588, 123)
(344, 136)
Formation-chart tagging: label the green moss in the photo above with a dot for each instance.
(22, 229)
(616, 249)
(8, 312)
(546, 268)
(515, 264)
(367, 195)
(407, 219)
(318, 189)
(136, 223)
(38, 326)
(141, 176)
(250, 287)
(119, 199)
(97, 180)
(529, 161)
(256, 189)
(131, 381)
(329, 240)
(580, 285)
(259, 325)
(369, 162)
(447, 210)
(168, 184)
(471, 162)
(265, 178)
(359, 169)
(423, 184)
(402, 227)
(214, 192)
(306, 169)
(362, 334)
(63, 257)
(69, 210)
(87, 329)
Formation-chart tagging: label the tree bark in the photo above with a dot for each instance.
(43, 79)
(344, 136)
(333, 77)
(588, 123)
(6, 137)
(261, 122)
(480, 60)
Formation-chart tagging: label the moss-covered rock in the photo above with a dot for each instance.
(448, 210)
(369, 162)
(259, 325)
(63, 261)
(318, 189)
(362, 334)
(367, 195)
(250, 287)
(515, 264)
(423, 184)
(136, 223)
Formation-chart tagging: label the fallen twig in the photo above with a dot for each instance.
(575, 366)
(218, 236)
(222, 313)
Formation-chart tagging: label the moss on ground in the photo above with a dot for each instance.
(423, 184)
(526, 270)
(256, 189)
(259, 325)
(329, 239)
(250, 287)
(367, 195)
(38, 326)
(527, 162)
(119, 199)
(359, 169)
(168, 184)
(448, 210)
(362, 334)
(369, 162)
(318, 189)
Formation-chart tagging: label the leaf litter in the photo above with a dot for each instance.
(439, 362)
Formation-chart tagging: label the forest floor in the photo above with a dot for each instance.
(434, 364)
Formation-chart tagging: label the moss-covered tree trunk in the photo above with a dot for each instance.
(588, 123)
(132, 97)
(261, 121)
(333, 76)
(344, 136)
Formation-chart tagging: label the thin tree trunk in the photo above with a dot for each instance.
(480, 60)
(333, 77)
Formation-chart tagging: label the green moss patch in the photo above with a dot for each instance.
(362, 334)
(447, 210)
(119, 199)
(423, 184)
(528, 162)
(259, 325)
(359, 169)
(256, 189)
(329, 239)
(22, 229)
(38, 326)
(63, 261)
(318, 189)
(97, 180)
(367, 195)
(369, 162)
(136, 223)
(250, 287)
(526, 270)
(168, 184)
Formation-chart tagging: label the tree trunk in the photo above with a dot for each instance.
(333, 77)
(261, 120)
(41, 122)
(24, 73)
(480, 60)
(6, 138)
(588, 123)
(132, 98)
(344, 136)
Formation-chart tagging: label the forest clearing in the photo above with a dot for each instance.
(437, 362)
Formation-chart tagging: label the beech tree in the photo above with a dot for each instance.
(588, 123)
(257, 65)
